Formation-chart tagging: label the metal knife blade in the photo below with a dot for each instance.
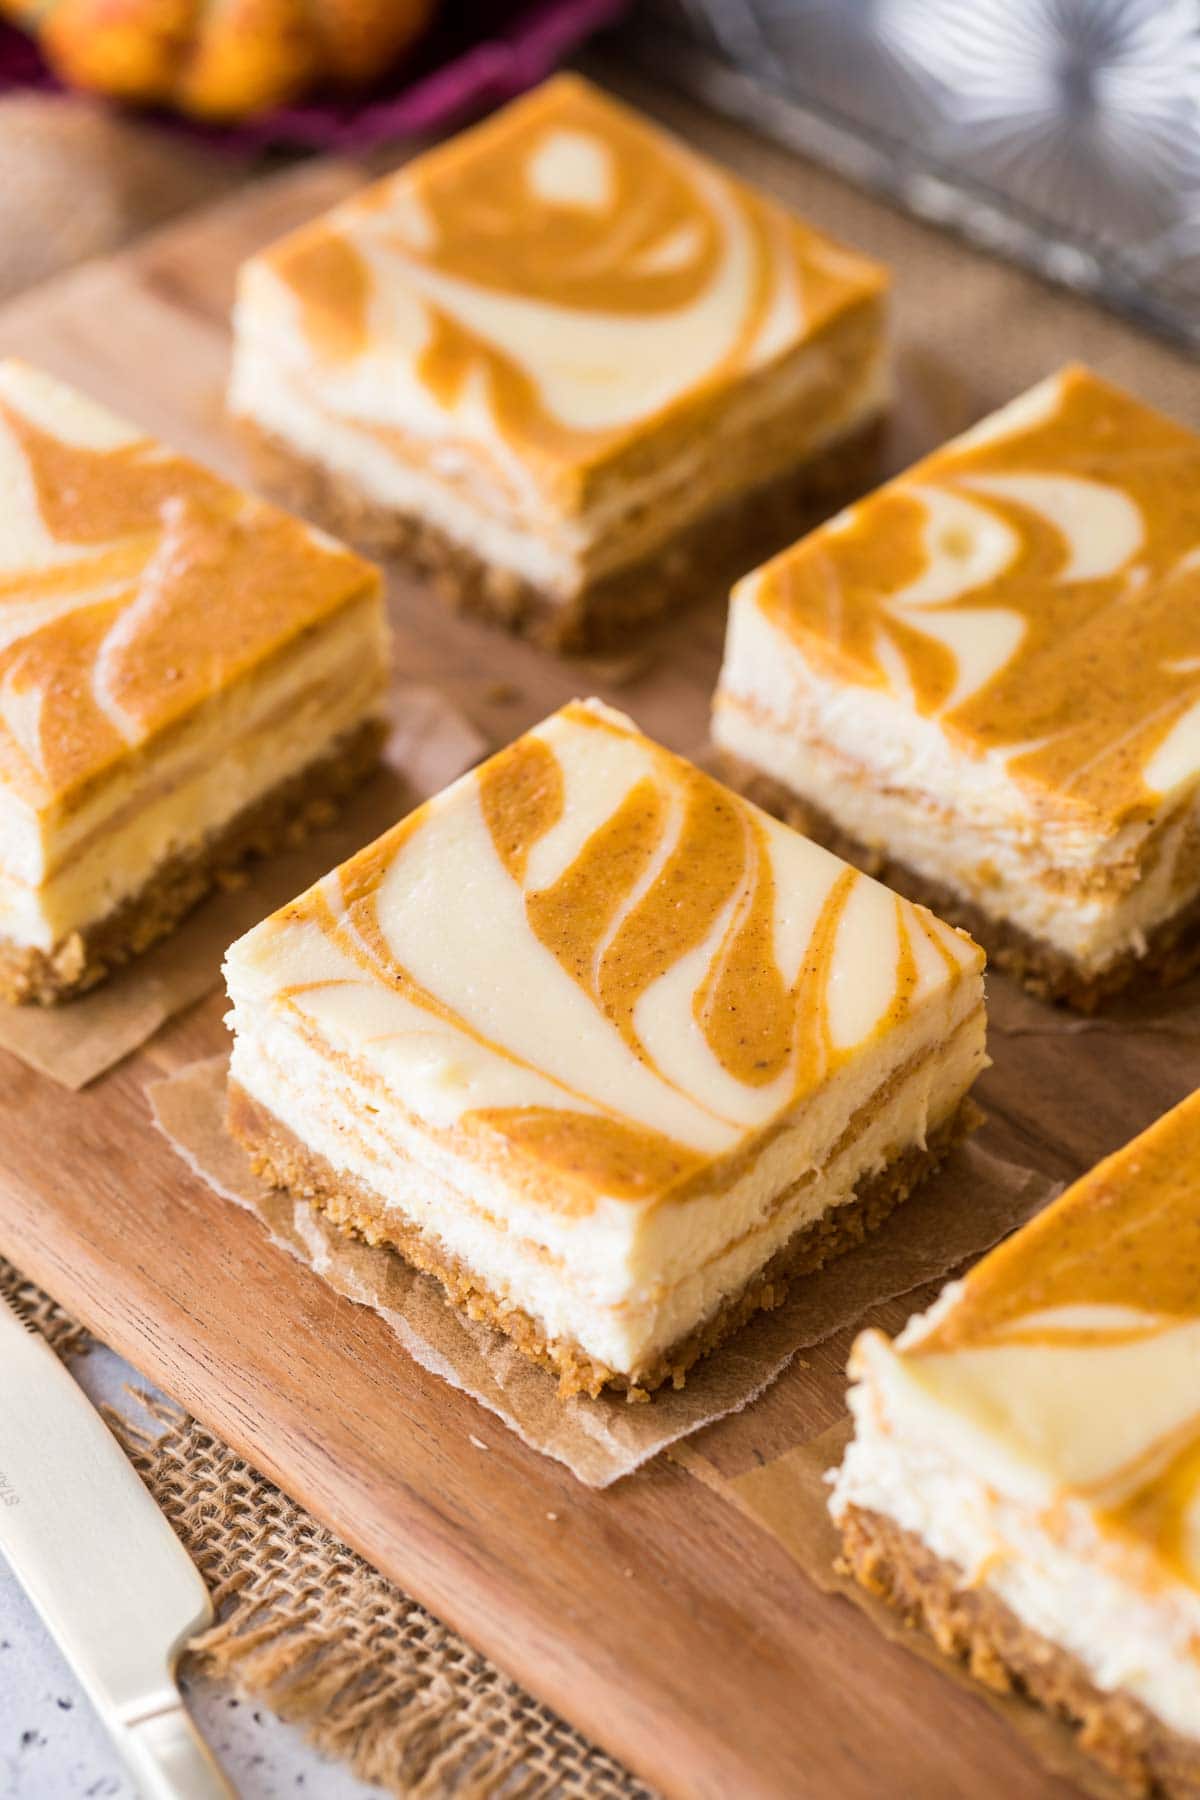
(113, 1583)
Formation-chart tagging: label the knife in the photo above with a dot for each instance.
(113, 1583)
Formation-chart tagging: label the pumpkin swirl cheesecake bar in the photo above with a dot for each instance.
(605, 1049)
(186, 675)
(983, 682)
(564, 363)
(1024, 1478)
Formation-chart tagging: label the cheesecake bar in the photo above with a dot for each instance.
(606, 1050)
(983, 682)
(186, 675)
(1024, 1478)
(564, 364)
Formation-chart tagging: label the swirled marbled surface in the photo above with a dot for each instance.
(556, 281)
(134, 585)
(1079, 1341)
(1034, 587)
(590, 957)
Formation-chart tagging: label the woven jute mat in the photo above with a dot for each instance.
(308, 1629)
(304, 1626)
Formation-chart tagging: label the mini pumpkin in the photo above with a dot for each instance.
(219, 59)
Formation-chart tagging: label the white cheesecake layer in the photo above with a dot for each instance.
(63, 871)
(622, 1281)
(333, 418)
(988, 667)
(614, 1013)
(892, 779)
(993, 1514)
(562, 304)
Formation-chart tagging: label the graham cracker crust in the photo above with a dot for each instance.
(284, 816)
(703, 559)
(1172, 949)
(976, 1628)
(279, 1157)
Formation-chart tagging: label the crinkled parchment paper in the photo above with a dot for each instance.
(788, 1498)
(974, 1200)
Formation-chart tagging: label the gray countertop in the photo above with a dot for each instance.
(52, 1746)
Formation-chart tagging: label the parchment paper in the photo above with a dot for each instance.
(430, 744)
(789, 1499)
(972, 1202)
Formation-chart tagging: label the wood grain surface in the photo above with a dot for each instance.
(652, 1615)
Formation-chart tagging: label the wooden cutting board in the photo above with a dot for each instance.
(653, 1616)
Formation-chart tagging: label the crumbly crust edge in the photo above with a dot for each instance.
(977, 1628)
(1172, 949)
(282, 817)
(698, 562)
(280, 1158)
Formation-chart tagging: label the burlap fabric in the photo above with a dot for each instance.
(304, 1625)
(307, 1628)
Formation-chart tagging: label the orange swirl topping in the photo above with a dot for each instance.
(566, 276)
(134, 585)
(665, 969)
(1102, 1292)
(1033, 587)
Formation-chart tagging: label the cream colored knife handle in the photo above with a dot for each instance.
(99, 1561)
(170, 1761)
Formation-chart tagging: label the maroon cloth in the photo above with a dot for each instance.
(475, 57)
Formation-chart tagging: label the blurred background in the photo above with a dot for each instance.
(1064, 134)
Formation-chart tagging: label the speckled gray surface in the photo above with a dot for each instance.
(52, 1747)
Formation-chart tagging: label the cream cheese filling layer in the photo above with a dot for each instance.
(622, 1281)
(969, 827)
(978, 1507)
(396, 1061)
(556, 554)
(62, 876)
(766, 675)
